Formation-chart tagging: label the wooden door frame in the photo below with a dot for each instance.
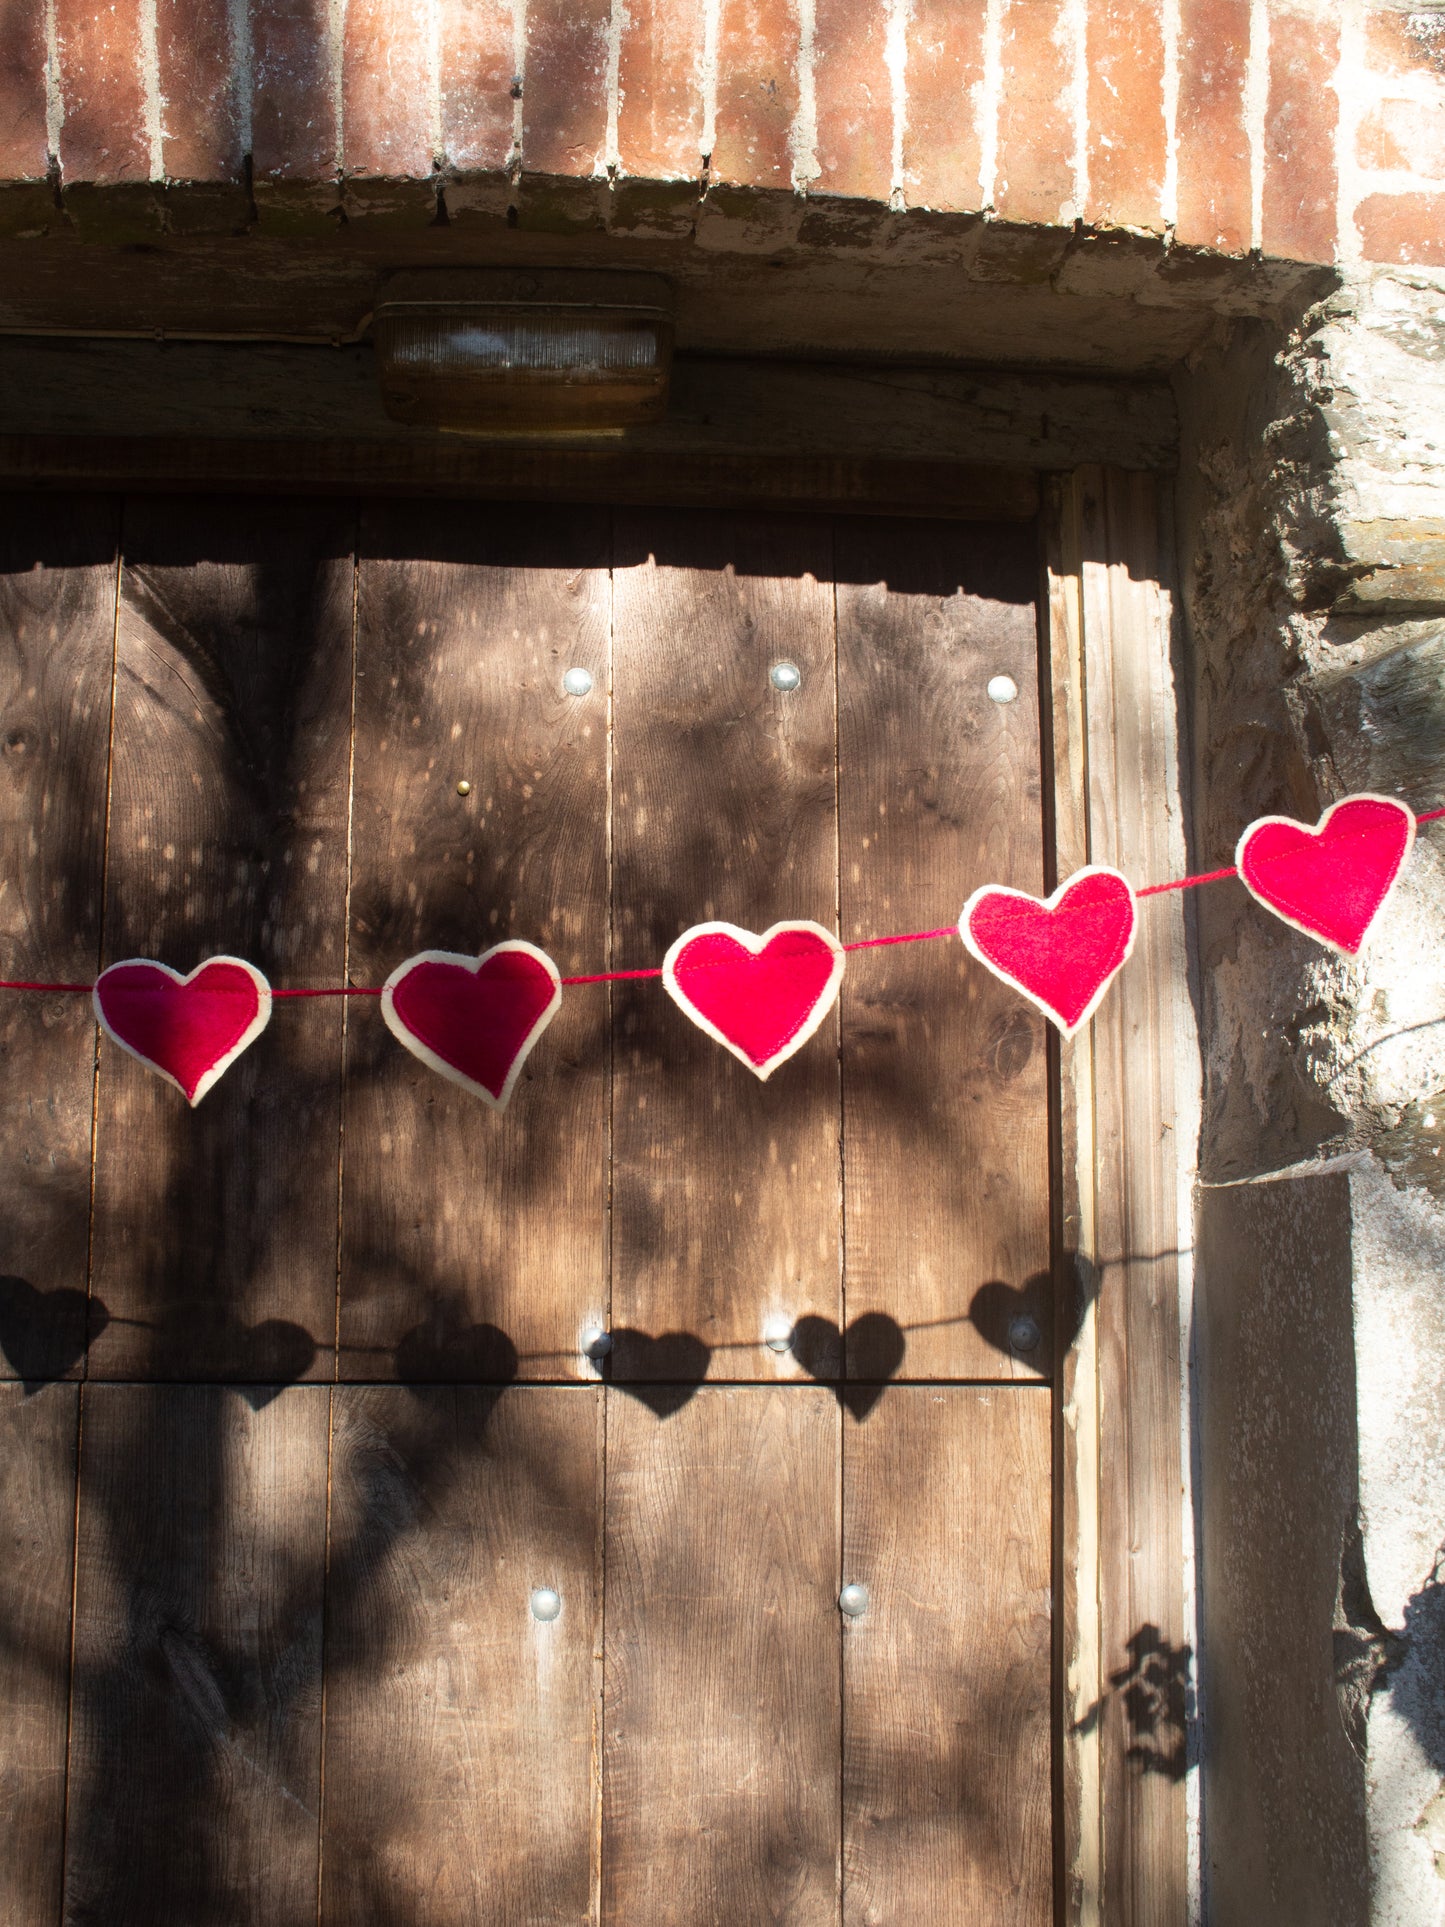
(1126, 1128)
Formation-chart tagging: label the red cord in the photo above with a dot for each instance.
(632, 976)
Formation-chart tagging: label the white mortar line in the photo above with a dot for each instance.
(707, 76)
(519, 78)
(152, 100)
(617, 25)
(895, 58)
(54, 98)
(1169, 209)
(1349, 85)
(990, 99)
(803, 134)
(1077, 23)
(1256, 110)
(243, 69)
(336, 50)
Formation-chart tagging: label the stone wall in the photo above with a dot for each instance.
(1312, 526)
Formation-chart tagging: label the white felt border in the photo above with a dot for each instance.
(218, 1070)
(410, 1041)
(1289, 822)
(1051, 903)
(827, 997)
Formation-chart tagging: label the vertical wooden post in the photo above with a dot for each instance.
(1126, 1656)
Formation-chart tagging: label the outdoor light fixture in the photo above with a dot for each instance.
(493, 349)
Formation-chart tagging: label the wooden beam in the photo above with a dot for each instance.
(267, 415)
(1124, 1129)
(491, 471)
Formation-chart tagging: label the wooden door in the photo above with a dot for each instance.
(336, 1431)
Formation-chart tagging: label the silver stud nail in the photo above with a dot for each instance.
(578, 682)
(596, 1343)
(546, 1605)
(785, 675)
(777, 1331)
(1002, 689)
(853, 1600)
(1023, 1334)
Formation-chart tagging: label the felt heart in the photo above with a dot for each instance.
(189, 1029)
(474, 1019)
(1331, 881)
(1063, 953)
(760, 997)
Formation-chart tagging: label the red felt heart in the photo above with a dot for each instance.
(762, 997)
(474, 1019)
(1063, 953)
(190, 1029)
(1331, 881)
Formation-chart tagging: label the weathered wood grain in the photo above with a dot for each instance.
(215, 1241)
(944, 1068)
(57, 628)
(479, 470)
(1139, 1052)
(461, 1781)
(1076, 1404)
(456, 1217)
(946, 1746)
(780, 412)
(195, 1744)
(725, 1190)
(720, 1784)
(37, 1550)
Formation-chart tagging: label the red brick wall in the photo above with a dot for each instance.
(1309, 129)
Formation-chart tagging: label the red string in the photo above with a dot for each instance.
(632, 976)
(343, 990)
(1186, 883)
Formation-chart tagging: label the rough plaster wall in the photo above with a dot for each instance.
(1284, 1795)
(1399, 1306)
(1312, 526)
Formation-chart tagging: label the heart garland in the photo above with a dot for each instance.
(474, 1019)
(1061, 953)
(189, 1029)
(759, 997)
(1331, 881)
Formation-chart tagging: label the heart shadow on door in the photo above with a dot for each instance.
(45, 1334)
(662, 1372)
(873, 1344)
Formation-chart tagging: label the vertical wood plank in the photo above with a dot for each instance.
(195, 1741)
(1076, 1417)
(725, 1190)
(460, 1783)
(944, 1068)
(37, 1548)
(1135, 824)
(216, 1229)
(720, 1784)
(946, 1746)
(57, 627)
(474, 1242)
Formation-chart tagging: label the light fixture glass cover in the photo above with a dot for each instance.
(487, 349)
